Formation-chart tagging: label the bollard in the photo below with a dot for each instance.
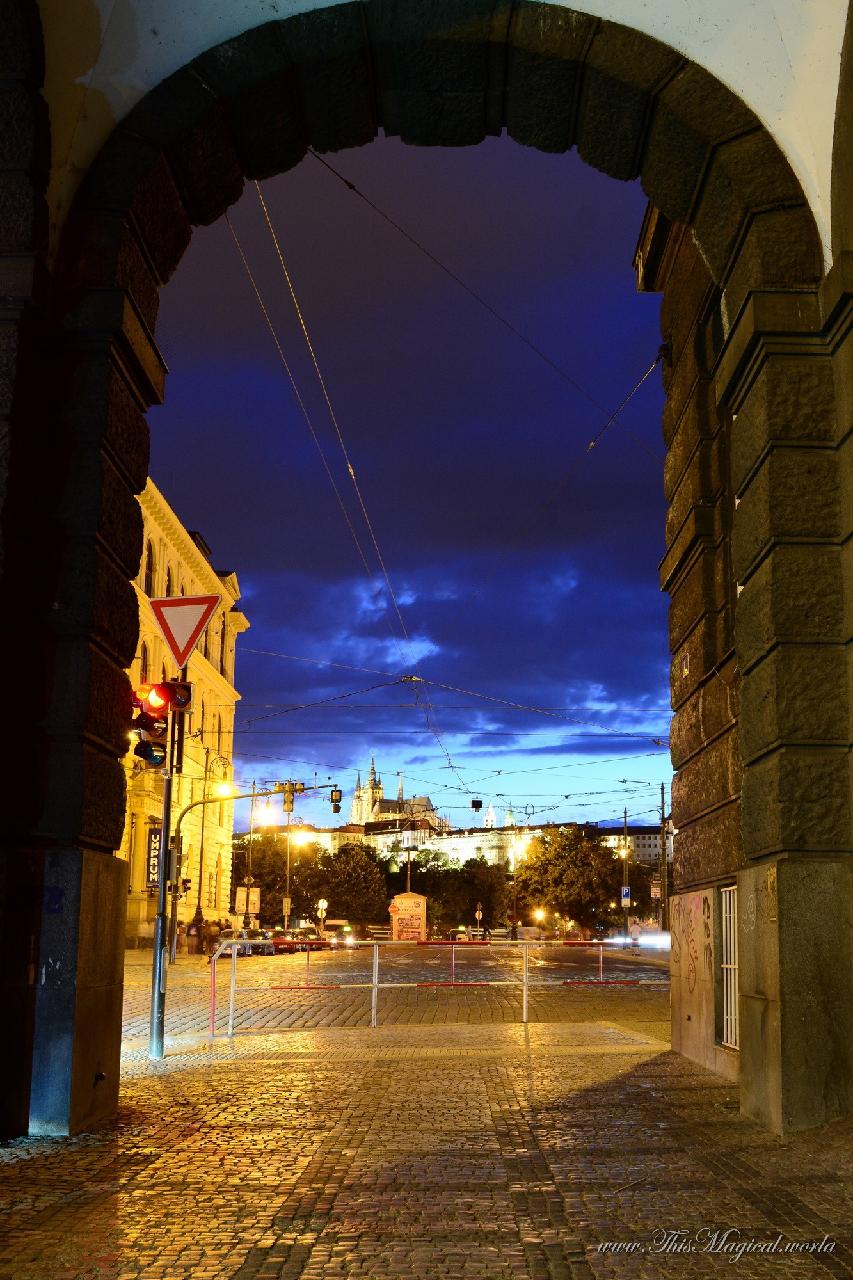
(213, 994)
(601, 962)
(452, 962)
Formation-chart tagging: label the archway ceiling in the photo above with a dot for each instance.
(782, 60)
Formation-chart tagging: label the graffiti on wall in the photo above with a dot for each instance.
(691, 928)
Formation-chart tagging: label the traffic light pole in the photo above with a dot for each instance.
(161, 948)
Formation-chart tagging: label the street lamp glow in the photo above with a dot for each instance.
(300, 838)
(266, 817)
(224, 790)
(539, 914)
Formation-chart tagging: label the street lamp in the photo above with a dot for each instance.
(298, 838)
(198, 918)
(248, 879)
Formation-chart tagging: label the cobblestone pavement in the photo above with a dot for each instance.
(464, 1151)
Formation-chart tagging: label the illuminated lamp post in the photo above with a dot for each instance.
(298, 839)
(223, 789)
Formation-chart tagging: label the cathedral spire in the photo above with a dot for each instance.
(399, 788)
(372, 774)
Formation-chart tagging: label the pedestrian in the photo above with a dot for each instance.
(635, 933)
(513, 933)
(181, 936)
(214, 929)
(192, 939)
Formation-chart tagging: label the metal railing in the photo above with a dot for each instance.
(375, 986)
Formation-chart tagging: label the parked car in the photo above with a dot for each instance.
(284, 942)
(253, 942)
(309, 940)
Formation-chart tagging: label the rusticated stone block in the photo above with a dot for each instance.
(745, 175)
(702, 590)
(132, 176)
(637, 60)
(711, 710)
(182, 116)
(546, 48)
(95, 599)
(673, 164)
(685, 297)
(699, 485)
(708, 781)
(792, 399)
(795, 595)
(23, 214)
(9, 341)
(92, 697)
(796, 694)
(329, 51)
(612, 124)
(101, 410)
(708, 849)
(253, 76)
(22, 48)
(793, 495)
(680, 383)
(101, 250)
(705, 106)
(706, 645)
(104, 799)
(97, 499)
(24, 130)
(699, 422)
(797, 799)
(781, 250)
(120, 523)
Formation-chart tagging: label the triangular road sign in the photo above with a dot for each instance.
(181, 620)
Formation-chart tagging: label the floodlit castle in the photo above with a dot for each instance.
(369, 804)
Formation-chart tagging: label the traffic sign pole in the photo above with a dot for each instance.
(160, 959)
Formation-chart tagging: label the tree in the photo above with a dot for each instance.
(269, 871)
(352, 883)
(578, 877)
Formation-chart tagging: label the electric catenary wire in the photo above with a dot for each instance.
(497, 315)
(297, 396)
(428, 711)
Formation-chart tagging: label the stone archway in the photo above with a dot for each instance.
(754, 532)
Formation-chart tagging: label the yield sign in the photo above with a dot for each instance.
(181, 620)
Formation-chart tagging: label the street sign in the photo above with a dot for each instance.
(286, 904)
(181, 620)
(656, 889)
(626, 895)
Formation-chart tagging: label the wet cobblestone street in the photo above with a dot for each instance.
(449, 1142)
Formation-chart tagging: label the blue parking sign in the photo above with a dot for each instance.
(626, 895)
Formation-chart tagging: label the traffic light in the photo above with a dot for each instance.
(153, 702)
(186, 885)
(152, 723)
(476, 805)
(288, 797)
(336, 795)
(181, 692)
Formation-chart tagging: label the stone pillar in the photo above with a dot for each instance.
(779, 378)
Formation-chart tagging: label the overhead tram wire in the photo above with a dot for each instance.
(296, 393)
(428, 711)
(497, 315)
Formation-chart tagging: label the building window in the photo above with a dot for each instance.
(219, 735)
(728, 965)
(222, 650)
(143, 664)
(201, 721)
(168, 580)
(148, 580)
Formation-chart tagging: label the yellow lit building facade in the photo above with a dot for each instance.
(178, 562)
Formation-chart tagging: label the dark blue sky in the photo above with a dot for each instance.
(524, 566)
